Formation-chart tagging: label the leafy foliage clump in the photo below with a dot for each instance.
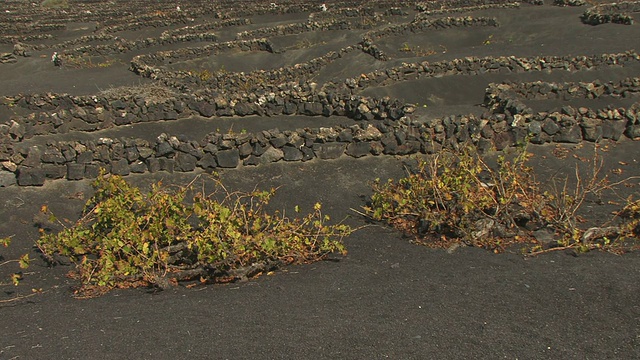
(630, 221)
(127, 238)
(455, 198)
(86, 62)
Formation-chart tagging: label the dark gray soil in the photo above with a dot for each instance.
(387, 298)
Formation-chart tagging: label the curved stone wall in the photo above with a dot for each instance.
(75, 160)
(617, 13)
(509, 97)
(436, 5)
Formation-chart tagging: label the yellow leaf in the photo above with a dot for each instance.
(15, 279)
(24, 261)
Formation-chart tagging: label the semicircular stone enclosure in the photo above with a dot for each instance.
(180, 86)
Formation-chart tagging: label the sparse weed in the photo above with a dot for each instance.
(405, 48)
(630, 218)
(86, 62)
(23, 263)
(416, 50)
(206, 75)
(366, 22)
(304, 44)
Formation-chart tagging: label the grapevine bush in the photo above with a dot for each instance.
(128, 238)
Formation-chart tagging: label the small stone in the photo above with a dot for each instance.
(278, 141)
(535, 128)
(85, 157)
(358, 149)
(75, 171)
(10, 166)
(503, 140)
(228, 158)
(633, 131)
(92, 171)
(307, 153)
(120, 167)
(33, 157)
(30, 176)
(271, 155)
(291, 153)
(550, 127)
(312, 109)
(206, 110)
(329, 150)
(185, 162)
(164, 149)
(545, 236)
(54, 171)
(138, 167)
(167, 165)
(572, 135)
(7, 178)
(153, 164)
(145, 152)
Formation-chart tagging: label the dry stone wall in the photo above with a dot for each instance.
(421, 24)
(58, 114)
(617, 13)
(75, 160)
(510, 97)
(416, 26)
(297, 28)
(428, 13)
(480, 65)
(150, 66)
(384, 125)
(436, 5)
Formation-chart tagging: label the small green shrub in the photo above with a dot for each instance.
(455, 197)
(416, 50)
(86, 62)
(204, 75)
(405, 48)
(628, 231)
(631, 212)
(126, 238)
